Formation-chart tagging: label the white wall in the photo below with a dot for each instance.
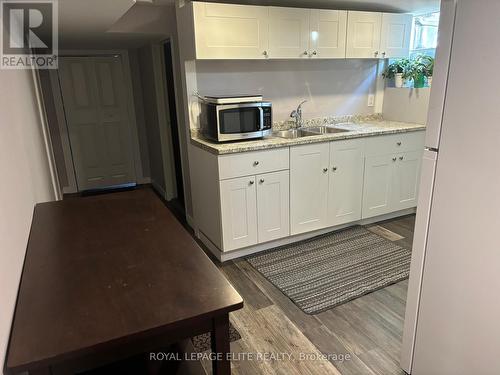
(406, 104)
(333, 87)
(25, 181)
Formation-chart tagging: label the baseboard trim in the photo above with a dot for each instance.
(224, 256)
(159, 189)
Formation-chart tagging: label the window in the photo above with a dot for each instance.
(425, 30)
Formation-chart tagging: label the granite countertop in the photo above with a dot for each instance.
(356, 130)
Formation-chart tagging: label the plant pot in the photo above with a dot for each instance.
(429, 81)
(419, 81)
(398, 80)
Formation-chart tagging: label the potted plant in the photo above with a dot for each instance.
(420, 68)
(429, 68)
(397, 70)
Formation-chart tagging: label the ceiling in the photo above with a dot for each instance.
(132, 23)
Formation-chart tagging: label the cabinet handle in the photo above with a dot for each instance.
(383, 54)
(315, 53)
(393, 159)
(334, 169)
(325, 170)
(305, 53)
(261, 180)
(376, 53)
(265, 53)
(255, 163)
(401, 158)
(252, 182)
(398, 143)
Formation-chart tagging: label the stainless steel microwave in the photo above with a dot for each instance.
(235, 121)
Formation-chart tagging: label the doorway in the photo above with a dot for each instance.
(178, 203)
(99, 129)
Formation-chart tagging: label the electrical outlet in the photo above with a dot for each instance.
(371, 100)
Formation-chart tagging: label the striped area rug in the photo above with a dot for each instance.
(323, 272)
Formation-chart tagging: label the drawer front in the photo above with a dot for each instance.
(252, 163)
(394, 143)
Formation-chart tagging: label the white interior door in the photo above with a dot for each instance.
(308, 187)
(273, 202)
(328, 33)
(239, 212)
(363, 34)
(346, 181)
(97, 118)
(288, 32)
(395, 37)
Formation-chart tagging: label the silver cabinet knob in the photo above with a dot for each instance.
(265, 53)
(393, 159)
(305, 53)
(376, 53)
(398, 143)
(255, 163)
(252, 182)
(334, 169)
(314, 53)
(401, 158)
(261, 180)
(383, 54)
(325, 170)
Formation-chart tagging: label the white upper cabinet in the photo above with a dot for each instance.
(227, 31)
(328, 30)
(395, 37)
(363, 34)
(288, 32)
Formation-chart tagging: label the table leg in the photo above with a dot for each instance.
(220, 345)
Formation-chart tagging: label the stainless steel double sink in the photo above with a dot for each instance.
(309, 131)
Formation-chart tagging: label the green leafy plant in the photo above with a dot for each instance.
(399, 66)
(420, 67)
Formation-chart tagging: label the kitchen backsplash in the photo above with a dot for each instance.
(331, 87)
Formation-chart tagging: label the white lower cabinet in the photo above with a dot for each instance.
(346, 181)
(273, 213)
(378, 184)
(391, 183)
(238, 212)
(308, 187)
(254, 209)
(407, 178)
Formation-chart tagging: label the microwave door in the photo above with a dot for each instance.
(239, 122)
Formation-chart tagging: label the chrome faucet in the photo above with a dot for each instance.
(297, 115)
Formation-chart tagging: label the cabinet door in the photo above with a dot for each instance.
(227, 31)
(328, 33)
(308, 187)
(395, 37)
(378, 185)
(239, 212)
(288, 32)
(273, 206)
(406, 180)
(363, 34)
(345, 192)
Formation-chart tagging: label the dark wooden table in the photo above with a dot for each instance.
(111, 276)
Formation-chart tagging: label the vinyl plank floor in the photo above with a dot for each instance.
(368, 329)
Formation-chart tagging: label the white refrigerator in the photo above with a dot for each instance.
(452, 322)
